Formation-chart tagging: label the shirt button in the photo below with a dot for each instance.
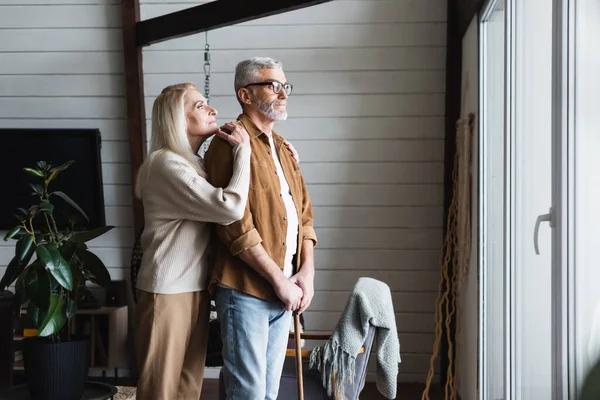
(269, 152)
(285, 218)
(284, 243)
(280, 195)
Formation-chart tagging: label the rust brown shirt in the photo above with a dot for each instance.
(264, 221)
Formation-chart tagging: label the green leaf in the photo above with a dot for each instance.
(12, 233)
(55, 317)
(34, 172)
(37, 285)
(86, 236)
(13, 270)
(23, 247)
(24, 211)
(42, 165)
(62, 167)
(47, 207)
(71, 308)
(37, 189)
(49, 255)
(67, 250)
(33, 210)
(53, 283)
(66, 198)
(36, 316)
(96, 269)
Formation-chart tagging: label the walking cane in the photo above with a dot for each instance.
(298, 356)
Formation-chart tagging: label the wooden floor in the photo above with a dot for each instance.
(406, 391)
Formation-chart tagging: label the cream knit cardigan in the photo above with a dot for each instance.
(179, 204)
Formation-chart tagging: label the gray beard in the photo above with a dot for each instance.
(268, 109)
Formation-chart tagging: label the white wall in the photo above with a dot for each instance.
(61, 67)
(468, 330)
(366, 117)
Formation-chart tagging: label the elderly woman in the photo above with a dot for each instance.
(179, 205)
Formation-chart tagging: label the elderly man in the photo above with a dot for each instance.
(264, 264)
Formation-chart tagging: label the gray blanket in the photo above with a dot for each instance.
(370, 303)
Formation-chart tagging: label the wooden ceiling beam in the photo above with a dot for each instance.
(134, 95)
(213, 15)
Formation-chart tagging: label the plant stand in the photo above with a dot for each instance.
(7, 354)
(92, 391)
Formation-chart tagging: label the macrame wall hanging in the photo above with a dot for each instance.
(456, 253)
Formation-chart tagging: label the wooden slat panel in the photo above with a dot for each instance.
(377, 260)
(299, 60)
(377, 217)
(352, 128)
(403, 302)
(114, 173)
(394, 82)
(110, 129)
(376, 195)
(336, 12)
(61, 63)
(369, 105)
(28, 40)
(412, 281)
(363, 238)
(406, 323)
(119, 216)
(60, 16)
(315, 36)
(61, 85)
(370, 150)
(115, 152)
(117, 195)
(373, 172)
(63, 107)
(338, 172)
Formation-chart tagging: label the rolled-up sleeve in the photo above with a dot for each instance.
(240, 235)
(308, 230)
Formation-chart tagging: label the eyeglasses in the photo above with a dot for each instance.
(276, 86)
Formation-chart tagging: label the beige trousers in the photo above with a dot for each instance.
(172, 335)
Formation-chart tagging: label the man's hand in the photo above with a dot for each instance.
(289, 293)
(305, 281)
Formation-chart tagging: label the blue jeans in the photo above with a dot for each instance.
(255, 336)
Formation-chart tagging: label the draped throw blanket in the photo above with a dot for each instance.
(370, 303)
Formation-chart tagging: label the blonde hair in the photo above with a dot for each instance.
(169, 130)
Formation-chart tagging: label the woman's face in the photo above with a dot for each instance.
(200, 117)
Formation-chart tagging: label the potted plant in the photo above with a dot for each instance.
(51, 286)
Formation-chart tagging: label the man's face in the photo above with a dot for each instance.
(272, 105)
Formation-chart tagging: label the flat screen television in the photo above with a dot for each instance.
(82, 181)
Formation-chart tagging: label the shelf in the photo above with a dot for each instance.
(18, 366)
(107, 328)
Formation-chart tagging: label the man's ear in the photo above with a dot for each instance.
(245, 96)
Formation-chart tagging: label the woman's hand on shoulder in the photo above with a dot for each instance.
(293, 150)
(234, 133)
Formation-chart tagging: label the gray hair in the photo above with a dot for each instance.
(246, 71)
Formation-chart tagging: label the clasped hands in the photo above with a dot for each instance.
(297, 292)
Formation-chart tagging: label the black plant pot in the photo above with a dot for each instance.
(56, 371)
(7, 351)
